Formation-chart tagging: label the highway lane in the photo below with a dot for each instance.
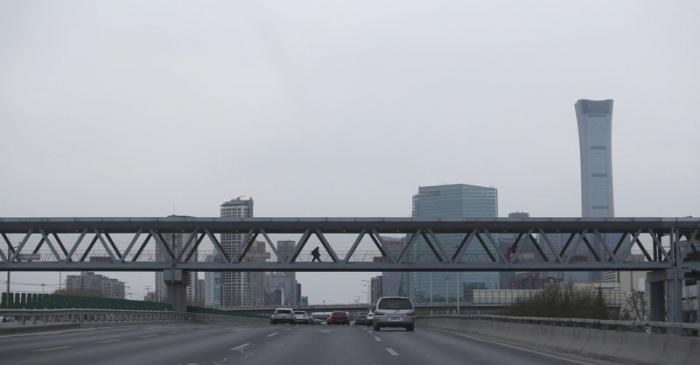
(289, 345)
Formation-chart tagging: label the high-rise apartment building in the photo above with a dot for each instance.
(450, 201)
(89, 283)
(235, 286)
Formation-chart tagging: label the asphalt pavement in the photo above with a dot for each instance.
(282, 344)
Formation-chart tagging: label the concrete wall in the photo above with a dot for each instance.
(620, 346)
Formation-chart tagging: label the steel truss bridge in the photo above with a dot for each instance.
(659, 243)
(666, 247)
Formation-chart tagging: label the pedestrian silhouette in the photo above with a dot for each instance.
(316, 254)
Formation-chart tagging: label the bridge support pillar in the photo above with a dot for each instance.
(666, 295)
(175, 287)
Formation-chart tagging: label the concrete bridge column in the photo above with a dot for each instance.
(666, 295)
(177, 295)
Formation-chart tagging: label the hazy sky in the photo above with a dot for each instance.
(339, 108)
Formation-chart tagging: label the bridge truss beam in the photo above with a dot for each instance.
(639, 244)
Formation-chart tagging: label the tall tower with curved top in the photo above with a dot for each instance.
(595, 142)
(594, 132)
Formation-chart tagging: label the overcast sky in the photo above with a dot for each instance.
(339, 108)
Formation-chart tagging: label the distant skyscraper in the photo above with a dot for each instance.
(595, 143)
(505, 241)
(199, 293)
(391, 280)
(449, 201)
(235, 286)
(175, 241)
(375, 289)
(257, 252)
(212, 285)
(91, 284)
(282, 286)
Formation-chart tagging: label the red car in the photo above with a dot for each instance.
(339, 318)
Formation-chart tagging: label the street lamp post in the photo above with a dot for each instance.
(431, 288)
(459, 291)
(447, 292)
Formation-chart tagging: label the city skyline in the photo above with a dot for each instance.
(321, 120)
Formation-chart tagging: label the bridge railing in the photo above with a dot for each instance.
(45, 316)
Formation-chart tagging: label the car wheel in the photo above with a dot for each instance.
(409, 328)
(376, 328)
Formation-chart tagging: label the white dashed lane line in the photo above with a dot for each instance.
(53, 348)
(148, 336)
(240, 347)
(110, 341)
(272, 334)
(391, 351)
(377, 339)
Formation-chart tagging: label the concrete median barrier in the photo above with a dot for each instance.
(627, 347)
(603, 344)
(681, 350)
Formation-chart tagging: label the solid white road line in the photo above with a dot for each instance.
(391, 351)
(552, 356)
(377, 339)
(148, 336)
(53, 348)
(110, 341)
(240, 347)
(51, 332)
(272, 334)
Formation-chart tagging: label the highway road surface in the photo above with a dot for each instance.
(265, 345)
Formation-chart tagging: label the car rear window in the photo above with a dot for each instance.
(339, 314)
(395, 303)
(299, 312)
(284, 311)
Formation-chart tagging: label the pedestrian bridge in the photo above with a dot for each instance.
(666, 247)
(535, 244)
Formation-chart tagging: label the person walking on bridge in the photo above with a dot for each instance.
(316, 254)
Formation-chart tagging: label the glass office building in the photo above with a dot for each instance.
(450, 201)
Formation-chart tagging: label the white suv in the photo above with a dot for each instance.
(282, 315)
(394, 312)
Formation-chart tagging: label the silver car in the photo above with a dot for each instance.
(394, 312)
(283, 315)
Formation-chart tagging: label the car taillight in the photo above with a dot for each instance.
(378, 313)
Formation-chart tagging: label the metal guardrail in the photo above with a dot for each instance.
(34, 316)
(636, 326)
(45, 316)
